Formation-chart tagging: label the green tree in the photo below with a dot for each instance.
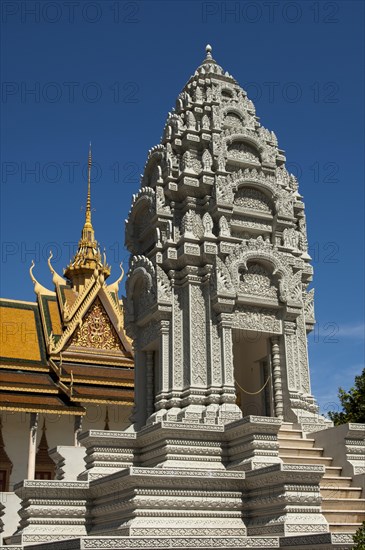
(353, 403)
(359, 538)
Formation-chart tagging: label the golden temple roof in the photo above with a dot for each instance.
(69, 347)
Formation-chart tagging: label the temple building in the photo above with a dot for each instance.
(226, 447)
(66, 365)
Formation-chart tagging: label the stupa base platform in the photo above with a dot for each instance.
(323, 541)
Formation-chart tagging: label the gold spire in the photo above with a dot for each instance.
(88, 230)
(87, 258)
(88, 201)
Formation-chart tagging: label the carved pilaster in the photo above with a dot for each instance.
(164, 355)
(177, 338)
(225, 326)
(277, 381)
(291, 356)
(303, 355)
(229, 410)
(198, 356)
(149, 378)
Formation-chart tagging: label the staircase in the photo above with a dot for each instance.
(342, 504)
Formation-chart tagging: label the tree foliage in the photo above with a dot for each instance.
(359, 538)
(353, 403)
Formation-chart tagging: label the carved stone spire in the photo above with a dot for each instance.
(235, 262)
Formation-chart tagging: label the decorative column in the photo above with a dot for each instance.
(77, 429)
(161, 385)
(276, 370)
(149, 376)
(229, 410)
(291, 355)
(164, 356)
(33, 425)
(303, 355)
(227, 353)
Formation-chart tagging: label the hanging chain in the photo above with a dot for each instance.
(254, 392)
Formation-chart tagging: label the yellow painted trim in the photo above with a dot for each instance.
(78, 359)
(40, 410)
(23, 367)
(31, 389)
(96, 382)
(110, 401)
(104, 356)
(18, 301)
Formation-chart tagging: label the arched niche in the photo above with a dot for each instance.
(277, 272)
(233, 118)
(140, 290)
(257, 278)
(242, 152)
(252, 197)
(153, 174)
(139, 228)
(227, 93)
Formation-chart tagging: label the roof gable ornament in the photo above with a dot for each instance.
(38, 288)
(57, 279)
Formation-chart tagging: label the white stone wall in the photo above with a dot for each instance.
(60, 431)
(10, 519)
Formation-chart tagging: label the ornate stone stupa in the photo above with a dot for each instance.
(217, 286)
(218, 307)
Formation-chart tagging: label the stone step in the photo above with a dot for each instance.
(320, 460)
(289, 442)
(287, 426)
(338, 503)
(333, 492)
(292, 434)
(344, 527)
(333, 471)
(335, 482)
(293, 451)
(344, 516)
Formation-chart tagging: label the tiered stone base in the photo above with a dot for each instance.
(179, 485)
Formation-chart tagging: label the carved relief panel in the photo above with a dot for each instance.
(96, 330)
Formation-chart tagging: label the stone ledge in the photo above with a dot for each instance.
(189, 543)
(325, 541)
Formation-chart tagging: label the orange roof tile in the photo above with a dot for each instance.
(20, 332)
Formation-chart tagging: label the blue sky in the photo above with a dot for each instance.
(109, 72)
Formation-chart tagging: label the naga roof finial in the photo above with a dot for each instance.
(57, 279)
(114, 287)
(38, 288)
